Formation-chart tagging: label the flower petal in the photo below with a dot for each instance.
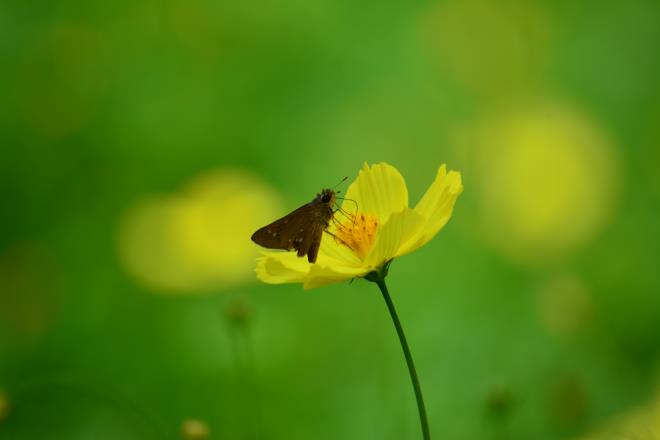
(322, 275)
(281, 267)
(332, 250)
(378, 190)
(435, 208)
(275, 267)
(399, 229)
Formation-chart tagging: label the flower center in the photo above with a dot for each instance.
(358, 233)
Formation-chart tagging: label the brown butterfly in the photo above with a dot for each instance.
(302, 229)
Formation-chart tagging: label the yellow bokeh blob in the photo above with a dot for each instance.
(642, 422)
(192, 429)
(198, 240)
(547, 179)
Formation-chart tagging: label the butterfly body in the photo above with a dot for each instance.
(302, 229)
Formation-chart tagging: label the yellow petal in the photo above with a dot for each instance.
(281, 267)
(332, 252)
(378, 190)
(399, 229)
(435, 208)
(322, 275)
(275, 267)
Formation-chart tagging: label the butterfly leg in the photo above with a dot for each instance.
(337, 239)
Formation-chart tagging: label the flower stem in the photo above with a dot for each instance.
(426, 434)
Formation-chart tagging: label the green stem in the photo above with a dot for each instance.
(426, 434)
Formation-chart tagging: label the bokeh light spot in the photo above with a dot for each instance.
(642, 422)
(199, 238)
(192, 429)
(547, 178)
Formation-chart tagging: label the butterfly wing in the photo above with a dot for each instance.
(311, 241)
(301, 230)
(315, 245)
(286, 233)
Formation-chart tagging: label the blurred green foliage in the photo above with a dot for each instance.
(518, 331)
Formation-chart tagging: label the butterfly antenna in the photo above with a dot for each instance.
(340, 182)
(338, 240)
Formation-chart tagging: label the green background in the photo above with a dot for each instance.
(105, 103)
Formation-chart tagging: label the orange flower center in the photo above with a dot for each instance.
(358, 233)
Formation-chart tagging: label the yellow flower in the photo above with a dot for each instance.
(377, 226)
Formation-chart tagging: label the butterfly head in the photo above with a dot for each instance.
(326, 197)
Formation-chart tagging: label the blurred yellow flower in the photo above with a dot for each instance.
(192, 429)
(382, 228)
(547, 174)
(192, 240)
(642, 422)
